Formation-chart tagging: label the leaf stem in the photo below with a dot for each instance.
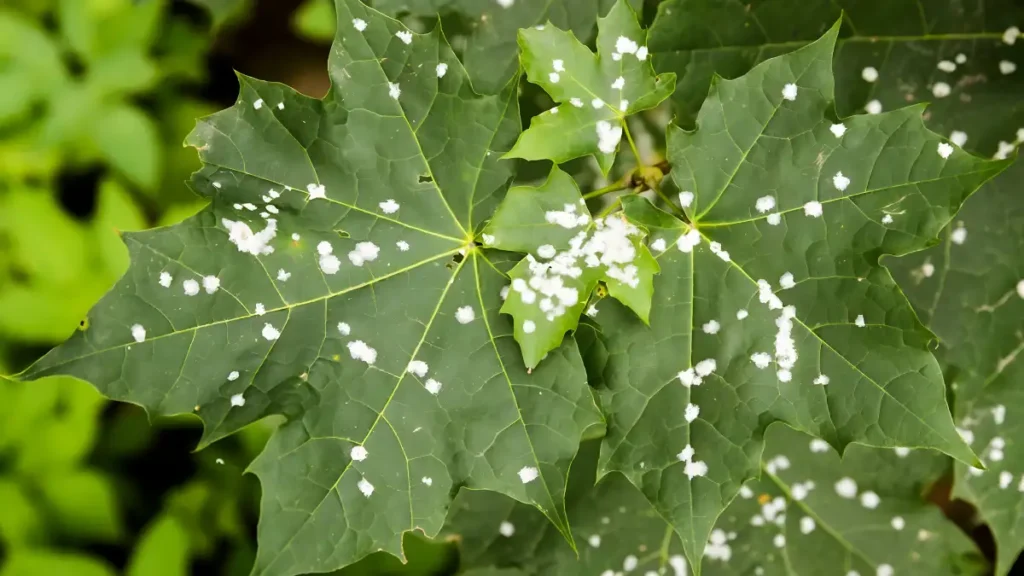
(621, 184)
(610, 208)
(632, 145)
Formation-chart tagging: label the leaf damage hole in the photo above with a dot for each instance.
(425, 178)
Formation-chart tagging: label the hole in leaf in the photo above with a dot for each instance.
(342, 234)
(425, 178)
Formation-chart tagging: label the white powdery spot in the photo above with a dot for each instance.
(283, 275)
(465, 314)
(789, 91)
(558, 65)
(402, 245)
(237, 400)
(761, 359)
(270, 333)
(506, 529)
(166, 279)
(946, 66)
(296, 237)
(554, 77)
(594, 540)
(764, 204)
(898, 523)
(365, 487)
(961, 58)
(358, 453)
(800, 490)
(389, 206)
(394, 90)
(272, 209)
(786, 281)
(546, 251)
(316, 191)
(999, 414)
(686, 454)
(958, 137)
(344, 329)
(528, 474)
(441, 70)
(529, 327)
(1020, 288)
(840, 181)
(567, 217)
(807, 525)
(901, 451)
(191, 287)
(869, 500)
(741, 314)
(685, 199)
(869, 74)
(689, 378)
(818, 446)
(246, 240)
(941, 89)
(330, 264)
(280, 105)
(608, 136)
(641, 53)
(846, 488)
(360, 351)
(887, 219)
(630, 563)
(884, 570)
(1007, 67)
(838, 130)
(405, 36)
(873, 107)
(258, 104)
(966, 435)
(1005, 478)
(138, 332)
(779, 541)
(813, 209)
(233, 375)
(427, 481)
(774, 219)
(1010, 35)
(859, 322)
(417, 367)
(705, 367)
(624, 45)
(1005, 148)
(822, 380)
(432, 386)
(717, 547)
(695, 469)
(364, 252)
(576, 102)
(945, 150)
(959, 236)
(592, 310)
(711, 327)
(746, 493)
(619, 83)
(504, 292)
(659, 245)
(784, 375)
(691, 412)
(359, 24)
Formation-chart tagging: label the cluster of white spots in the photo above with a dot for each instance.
(869, 500)
(363, 252)
(283, 275)
(711, 327)
(166, 279)
(822, 380)
(191, 287)
(995, 449)
(959, 235)
(567, 217)
(528, 474)
(741, 314)
(258, 104)
(873, 107)
(441, 69)
(789, 92)
(594, 540)
(786, 281)
(427, 481)
(432, 386)
(365, 487)
(1006, 148)
(838, 130)
(233, 375)
(818, 446)
(405, 36)
(394, 90)
(771, 511)
(659, 245)
(813, 209)
(846, 488)
(389, 206)
(695, 376)
(359, 24)
(608, 136)
(946, 66)
(417, 367)
(623, 105)
(693, 468)
(941, 89)
(716, 249)
(901, 451)
(255, 243)
(887, 219)
(766, 296)
(1010, 35)
(764, 204)
(329, 263)
(800, 490)
(237, 400)
(358, 453)
(1006, 67)
(624, 45)
(807, 525)
(685, 199)
(688, 241)
(780, 462)
(269, 332)
(359, 350)
(316, 191)
(529, 327)
(138, 332)
(506, 529)
(678, 564)
(576, 102)
(465, 314)
(402, 245)
(718, 547)
(869, 74)
(691, 412)
(958, 137)
(785, 347)
(999, 414)
(898, 523)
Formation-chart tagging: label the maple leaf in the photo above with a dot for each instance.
(335, 279)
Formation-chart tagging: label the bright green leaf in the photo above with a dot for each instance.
(315, 20)
(40, 562)
(81, 504)
(371, 323)
(129, 141)
(595, 93)
(848, 360)
(163, 550)
(22, 522)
